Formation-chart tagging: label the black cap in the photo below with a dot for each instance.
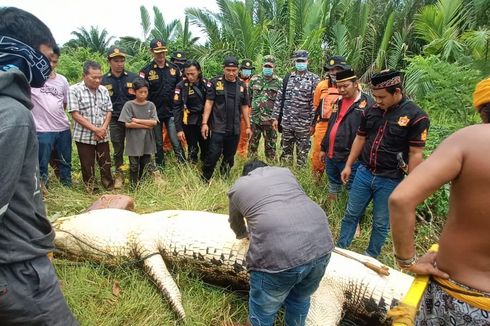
(385, 79)
(300, 55)
(230, 62)
(345, 75)
(247, 64)
(337, 61)
(115, 51)
(179, 56)
(158, 46)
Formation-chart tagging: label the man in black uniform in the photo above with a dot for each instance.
(393, 127)
(226, 100)
(179, 58)
(163, 76)
(189, 99)
(119, 83)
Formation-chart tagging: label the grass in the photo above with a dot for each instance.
(88, 286)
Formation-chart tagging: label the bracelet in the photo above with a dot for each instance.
(406, 263)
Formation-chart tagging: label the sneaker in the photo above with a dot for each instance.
(118, 181)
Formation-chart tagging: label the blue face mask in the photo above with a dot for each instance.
(246, 72)
(15, 54)
(266, 71)
(301, 66)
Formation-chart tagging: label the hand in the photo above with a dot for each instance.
(312, 130)
(426, 265)
(248, 132)
(322, 156)
(274, 125)
(181, 136)
(205, 131)
(100, 133)
(345, 174)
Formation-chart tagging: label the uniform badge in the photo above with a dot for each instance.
(176, 97)
(142, 74)
(108, 86)
(332, 62)
(172, 71)
(209, 84)
(177, 91)
(334, 108)
(363, 104)
(129, 85)
(403, 121)
(242, 89)
(423, 136)
(152, 75)
(219, 86)
(191, 91)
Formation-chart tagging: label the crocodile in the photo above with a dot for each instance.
(348, 291)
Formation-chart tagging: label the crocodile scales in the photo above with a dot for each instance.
(206, 241)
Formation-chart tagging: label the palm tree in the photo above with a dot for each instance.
(94, 39)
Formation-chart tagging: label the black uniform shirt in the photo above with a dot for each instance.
(162, 86)
(191, 97)
(225, 116)
(118, 88)
(390, 132)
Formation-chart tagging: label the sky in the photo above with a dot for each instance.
(119, 18)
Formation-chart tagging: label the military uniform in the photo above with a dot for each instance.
(297, 114)
(189, 99)
(119, 91)
(263, 94)
(162, 83)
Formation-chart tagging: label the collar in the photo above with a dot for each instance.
(124, 73)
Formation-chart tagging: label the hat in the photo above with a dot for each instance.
(270, 60)
(385, 79)
(247, 64)
(115, 51)
(230, 62)
(337, 61)
(481, 95)
(300, 54)
(179, 56)
(345, 75)
(158, 46)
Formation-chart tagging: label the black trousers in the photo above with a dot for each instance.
(195, 142)
(220, 144)
(137, 166)
(118, 134)
(30, 294)
(88, 154)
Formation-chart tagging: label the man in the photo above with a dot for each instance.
(263, 93)
(246, 70)
(342, 127)
(296, 105)
(163, 76)
(119, 83)
(226, 101)
(52, 125)
(458, 292)
(179, 58)
(394, 126)
(325, 96)
(290, 242)
(29, 288)
(91, 109)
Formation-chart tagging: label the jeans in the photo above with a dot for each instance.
(292, 288)
(365, 187)
(172, 133)
(118, 133)
(60, 142)
(333, 169)
(220, 144)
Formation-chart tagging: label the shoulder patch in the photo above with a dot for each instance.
(403, 121)
(142, 74)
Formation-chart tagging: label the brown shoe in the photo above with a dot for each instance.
(118, 181)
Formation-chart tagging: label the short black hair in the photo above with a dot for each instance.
(56, 50)
(485, 112)
(392, 89)
(252, 165)
(139, 82)
(89, 64)
(25, 27)
(192, 63)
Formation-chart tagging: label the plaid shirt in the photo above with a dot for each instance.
(92, 107)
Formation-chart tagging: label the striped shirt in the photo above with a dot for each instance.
(93, 107)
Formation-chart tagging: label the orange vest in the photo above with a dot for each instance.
(327, 103)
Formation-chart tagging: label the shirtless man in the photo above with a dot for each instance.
(459, 288)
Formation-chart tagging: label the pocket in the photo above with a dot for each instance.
(279, 284)
(397, 134)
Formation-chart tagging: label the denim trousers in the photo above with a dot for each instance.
(220, 143)
(174, 140)
(60, 142)
(367, 187)
(333, 169)
(291, 288)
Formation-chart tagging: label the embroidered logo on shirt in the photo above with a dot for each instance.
(423, 136)
(220, 86)
(172, 71)
(403, 121)
(152, 75)
(363, 104)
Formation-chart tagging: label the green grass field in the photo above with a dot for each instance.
(123, 295)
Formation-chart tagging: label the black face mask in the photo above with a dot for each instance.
(15, 54)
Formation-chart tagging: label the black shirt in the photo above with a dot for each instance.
(225, 116)
(118, 88)
(189, 97)
(162, 86)
(390, 132)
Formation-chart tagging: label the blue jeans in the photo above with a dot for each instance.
(334, 168)
(174, 140)
(292, 288)
(60, 142)
(365, 187)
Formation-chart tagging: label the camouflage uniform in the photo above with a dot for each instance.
(263, 93)
(297, 114)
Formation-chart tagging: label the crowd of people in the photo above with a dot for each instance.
(365, 141)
